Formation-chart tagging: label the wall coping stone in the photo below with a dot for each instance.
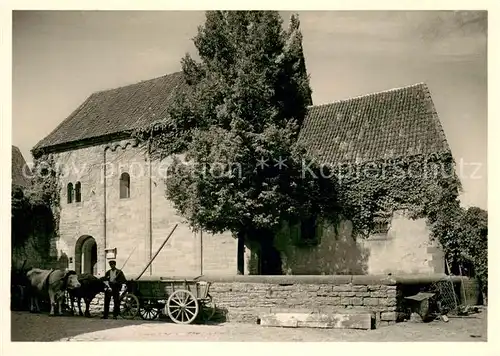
(428, 278)
(313, 279)
(286, 279)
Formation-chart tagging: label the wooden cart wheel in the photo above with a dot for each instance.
(149, 310)
(182, 307)
(129, 306)
(209, 307)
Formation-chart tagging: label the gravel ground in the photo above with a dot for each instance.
(41, 327)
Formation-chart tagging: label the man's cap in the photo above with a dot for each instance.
(112, 261)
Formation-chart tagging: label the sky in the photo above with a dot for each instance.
(61, 57)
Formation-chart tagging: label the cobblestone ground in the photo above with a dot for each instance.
(35, 327)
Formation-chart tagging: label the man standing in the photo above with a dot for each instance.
(116, 279)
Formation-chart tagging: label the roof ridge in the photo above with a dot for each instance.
(435, 117)
(136, 83)
(363, 128)
(395, 89)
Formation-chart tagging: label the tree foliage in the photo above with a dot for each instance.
(424, 187)
(420, 185)
(239, 117)
(237, 120)
(35, 209)
(472, 232)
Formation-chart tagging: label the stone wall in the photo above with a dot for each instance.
(85, 218)
(244, 298)
(405, 248)
(127, 223)
(135, 226)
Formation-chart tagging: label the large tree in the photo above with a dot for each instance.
(473, 240)
(34, 215)
(237, 124)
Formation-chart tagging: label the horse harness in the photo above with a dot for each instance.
(64, 279)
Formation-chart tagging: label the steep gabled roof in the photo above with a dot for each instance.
(392, 123)
(116, 110)
(389, 124)
(20, 172)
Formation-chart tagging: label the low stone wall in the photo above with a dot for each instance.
(244, 298)
(97, 305)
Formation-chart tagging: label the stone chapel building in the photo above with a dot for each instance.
(113, 203)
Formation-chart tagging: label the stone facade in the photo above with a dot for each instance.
(136, 226)
(405, 248)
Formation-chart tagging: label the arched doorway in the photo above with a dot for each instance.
(86, 255)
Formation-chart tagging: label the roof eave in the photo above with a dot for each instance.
(72, 145)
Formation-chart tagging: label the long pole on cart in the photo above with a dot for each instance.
(124, 263)
(128, 258)
(157, 252)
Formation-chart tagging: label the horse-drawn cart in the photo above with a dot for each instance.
(181, 300)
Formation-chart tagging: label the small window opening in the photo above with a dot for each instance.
(78, 192)
(124, 186)
(70, 193)
(308, 231)
(382, 223)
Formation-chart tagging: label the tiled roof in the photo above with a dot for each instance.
(18, 167)
(116, 110)
(397, 122)
(389, 124)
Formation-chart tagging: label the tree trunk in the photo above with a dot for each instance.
(241, 253)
